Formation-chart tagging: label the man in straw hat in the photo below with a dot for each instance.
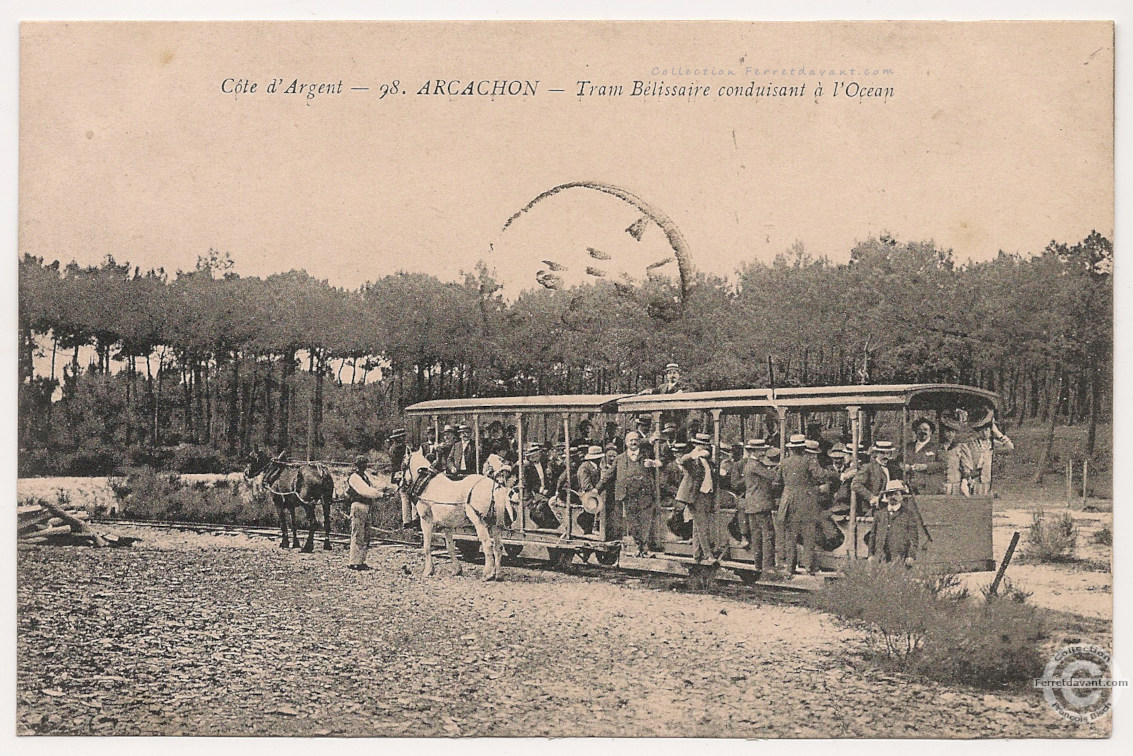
(875, 474)
(698, 493)
(462, 457)
(632, 483)
(799, 511)
(954, 455)
(361, 492)
(763, 482)
(898, 526)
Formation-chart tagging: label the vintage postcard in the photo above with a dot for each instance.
(566, 379)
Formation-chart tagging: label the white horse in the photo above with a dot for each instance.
(448, 504)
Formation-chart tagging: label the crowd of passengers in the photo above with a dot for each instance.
(786, 508)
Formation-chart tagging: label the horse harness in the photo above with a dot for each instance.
(319, 466)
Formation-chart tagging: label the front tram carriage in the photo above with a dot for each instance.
(959, 526)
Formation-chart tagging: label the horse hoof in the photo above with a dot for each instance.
(308, 549)
(285, 545)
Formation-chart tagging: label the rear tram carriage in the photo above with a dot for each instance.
(959, 526)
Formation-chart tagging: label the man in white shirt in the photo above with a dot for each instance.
(362, 493)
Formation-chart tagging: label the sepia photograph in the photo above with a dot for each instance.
(565, 379)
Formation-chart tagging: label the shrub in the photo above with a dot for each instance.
(1007, 590)
(199, 459)
(146, 495)
(991, 644)
(1051, 542)
(927, 624)
(1103, 537)
(92, 459)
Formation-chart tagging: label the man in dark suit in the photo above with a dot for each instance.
(462, 457)
(799, 510)
(924, 460)
(698, 492)
(631, 479)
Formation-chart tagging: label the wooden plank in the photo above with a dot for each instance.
(26, 509)
(43, 533)
(77, 525)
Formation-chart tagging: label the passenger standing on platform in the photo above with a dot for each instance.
(698, 493)
(924, 462)
(980, 450)
(632, 483)
(462, 458)
(613, 436)
(762, 484)
(439, 456)
(799, 510)
(954, 454)
(362, 493)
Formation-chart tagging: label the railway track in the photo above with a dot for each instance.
(638, 576)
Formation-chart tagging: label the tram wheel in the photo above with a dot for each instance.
(584, 555)
(468, 550)
(513, 549)
(607, 558)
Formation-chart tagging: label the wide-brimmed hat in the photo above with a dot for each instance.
(838, 450)
(796, 441)
(756, 444)
(984, 420)
(448, 429)
(361, 461)
(812, 446)
(397, 433)
(771, 456)
(534, 446)
(591, 502)
(594, 452)
(702, 439)
(922, 420)
(680, 446)
(882, 447)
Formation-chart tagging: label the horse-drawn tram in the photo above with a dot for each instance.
(929, 435)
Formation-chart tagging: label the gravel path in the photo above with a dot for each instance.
(229, 635)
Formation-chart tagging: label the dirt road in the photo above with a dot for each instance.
(228, 635)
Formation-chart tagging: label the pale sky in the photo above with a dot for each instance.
(997, 136)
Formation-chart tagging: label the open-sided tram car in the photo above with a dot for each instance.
(960, 526)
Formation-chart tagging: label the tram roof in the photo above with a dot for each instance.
(530, 404)
(916, 396)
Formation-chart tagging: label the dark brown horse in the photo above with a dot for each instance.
(295, 484)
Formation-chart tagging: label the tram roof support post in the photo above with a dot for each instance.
(716, 452)
(519, 457)
(782, 412)
(566, 456)
(656, 456)
(855, 442)
(476, 439)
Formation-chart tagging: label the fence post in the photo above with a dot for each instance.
(1069, 481)
(1085, 481)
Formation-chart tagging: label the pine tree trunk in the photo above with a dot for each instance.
(234, 405)
(1048, 447)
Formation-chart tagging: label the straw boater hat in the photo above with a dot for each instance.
(756, 444)
(838, 450)
(771, 456)
(397, 433)
(672, 366)
(448, 429)
(680, 446)
(812, 446)
(462, 427)
(895, 486)
(594, 452)
(882, 447)
(670, 429)
(797, 441)
(361, 461)
(702, 439)
(534, 446)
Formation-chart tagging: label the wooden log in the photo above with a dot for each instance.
(27, 509)
(77, 525)
(55, 521)
(45, 532)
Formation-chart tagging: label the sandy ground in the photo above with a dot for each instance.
(229, 635)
